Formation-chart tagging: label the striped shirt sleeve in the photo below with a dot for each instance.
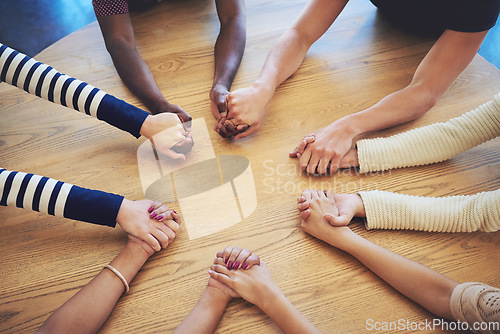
(57, 198)
(44, 81)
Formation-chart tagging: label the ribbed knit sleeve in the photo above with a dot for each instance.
(57, 198)
(387, 210)
(44, 81)
(432, 143)
(477, 304)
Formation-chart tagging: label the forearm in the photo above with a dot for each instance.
(136, 74)
(286, 316)
(43, 194)
(432, 143)
(44, 81)
(386, 210)
(206, 314)
(229, 49)
(87, 311)
(416, 281)
(400, 107)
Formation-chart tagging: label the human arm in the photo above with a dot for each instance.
(416, 281)
(46, 82)
(119, 38)
(445, 61)
(61, 199)
(247, 105)
(89, 308)
(257, 286)
(228, 52)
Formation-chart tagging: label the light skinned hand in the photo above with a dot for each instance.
(246, 108)
(348, 206)
(134, 217)
(322, 204)
(326, 150)
(219, 286)
(168, 134)
(255, 285)
(237, 257)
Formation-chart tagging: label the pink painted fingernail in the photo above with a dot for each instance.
(174, 211)
(244, 266)
(225, 261)
(230, 265)
(152, 215)
(236, 265)
(159, 217)
(151, 209)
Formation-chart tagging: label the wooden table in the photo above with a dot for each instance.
(362, 58)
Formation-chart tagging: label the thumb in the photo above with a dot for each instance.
(174, 155)
(342, 220)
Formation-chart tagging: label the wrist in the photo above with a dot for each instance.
(216, 296)
(272, 299)
(137, 251)
(264, 89)
(350, 125)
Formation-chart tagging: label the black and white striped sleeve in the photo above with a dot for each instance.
(57, 198)
(44, 81)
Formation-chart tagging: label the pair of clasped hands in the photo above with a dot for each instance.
(318, 153)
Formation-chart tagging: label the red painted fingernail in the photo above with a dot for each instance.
(230, 265)
(225, 261)
(244, 266)
(236, 265)
(151, 209)
(153, 215)
(174, 211)
(159, 217)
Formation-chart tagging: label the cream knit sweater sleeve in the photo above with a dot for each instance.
(478, 305)
(432, 143)
(387, 210)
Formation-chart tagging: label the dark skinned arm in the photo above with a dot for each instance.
(119, 37)
(228, 51)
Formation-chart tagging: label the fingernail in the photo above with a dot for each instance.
(151, 209)
(174, 211)
(152, 215)
(236, 265)
(159, 217)
(244, 266)
(225, 261)
(230, 265)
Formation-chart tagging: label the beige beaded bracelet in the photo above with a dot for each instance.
(119, 275)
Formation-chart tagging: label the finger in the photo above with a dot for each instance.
(241, 258)
(301, 147)
(176, 217)
(252, 260)
(172, 225)
(219, 260)
(305, 214)
(220, 277)
(160, 210)
(232, 257)
(242, 127)
(167, 231)
(161, 237)
(350, 159)
(301, 199)
(220, 254)
(330, 195)
(307, 193)
(247, 133)
(227, 253)
(154, 206)
(313, 163)
(334, 164)
(221, 269)
(342, 220)
(153, 242)
(174, 155)
(304, 159)
(323, 165)
(303, 206)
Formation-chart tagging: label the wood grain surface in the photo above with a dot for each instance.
(362, 58)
